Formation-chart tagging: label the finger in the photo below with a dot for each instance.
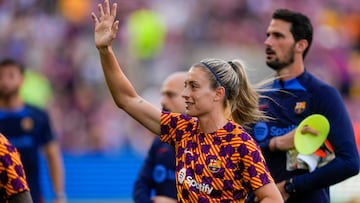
(113, 9)
(94, 17)
(101, 10)
(107, 7)
(312, 131)
(307, 129)
(115, 27)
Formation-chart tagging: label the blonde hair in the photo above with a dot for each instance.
(242, 99)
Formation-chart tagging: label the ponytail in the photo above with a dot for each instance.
(245, 105)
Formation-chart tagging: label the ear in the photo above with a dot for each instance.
(219, 93)
(22, 80)
(22, 75)
(301, 45)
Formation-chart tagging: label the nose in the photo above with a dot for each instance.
(268, 42)
(162, 100)
(185, 93)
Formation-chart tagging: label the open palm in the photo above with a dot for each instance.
(105, 25)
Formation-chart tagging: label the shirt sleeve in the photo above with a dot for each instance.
(144, 183)
(173, 125)
(47, 133)
(253, 163)
(341, 137)
(12, 174)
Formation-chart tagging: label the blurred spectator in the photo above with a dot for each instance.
(62, 51)
(54, 38)
(28, 128)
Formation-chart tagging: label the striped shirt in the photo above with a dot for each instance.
(12, 175)
(213, 167)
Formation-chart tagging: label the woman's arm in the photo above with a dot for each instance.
(120, 87)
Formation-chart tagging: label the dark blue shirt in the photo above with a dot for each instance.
(301, 97)
(157, 174)
(28, 129)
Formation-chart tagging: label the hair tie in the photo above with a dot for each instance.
(233, 66)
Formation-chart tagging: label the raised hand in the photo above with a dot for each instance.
(106, 27)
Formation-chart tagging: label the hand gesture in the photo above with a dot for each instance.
(105, 25)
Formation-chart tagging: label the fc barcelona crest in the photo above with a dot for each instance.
(27, 124)
(300, 107)
(214, 165)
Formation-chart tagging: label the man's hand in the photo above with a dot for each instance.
(59, 200)
(286, 142)
(307, 129)
(105, 25)
(283, 143)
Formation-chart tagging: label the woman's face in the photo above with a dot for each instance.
(198, 95)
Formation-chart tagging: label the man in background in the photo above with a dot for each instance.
(156, 181)
(28, 129)
(294, 95)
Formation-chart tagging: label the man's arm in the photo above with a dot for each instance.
(341, 137)
(279, 143)
(56, 169)
(144, 183)
(21, 197)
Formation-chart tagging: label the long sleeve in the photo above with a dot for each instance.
(144, 183)
(299, 98)
(341, 137)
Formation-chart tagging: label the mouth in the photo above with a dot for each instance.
(187, 105)
(269, 51)
(269, 54)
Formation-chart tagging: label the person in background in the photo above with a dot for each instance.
(158, 172)
(28, 129)
(216, 159)
(294, 95)
(13, 184)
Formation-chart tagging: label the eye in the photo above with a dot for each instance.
(278, 35)
(171, 95)
(193, 86)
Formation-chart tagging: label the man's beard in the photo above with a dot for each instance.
(277, 64)
(6, 94)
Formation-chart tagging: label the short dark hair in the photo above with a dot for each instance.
(301, 27)
(12, 62)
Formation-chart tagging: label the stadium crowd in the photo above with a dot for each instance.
(54, 39)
